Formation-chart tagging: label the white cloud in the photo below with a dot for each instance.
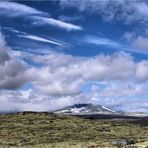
(62, 76)
(137, 41)
(30, 100)
(57, 83)
(13, 9)
(70, 18)
(3, 54)
(66, 77)
(140, 42)
(37, 17)
(142, 70)
(133, 41)
(56, 23)
(127, 11)
(125, 104)
(128, 36)
(102, 41)
(12, 71)
(111, 90)
(40, 39)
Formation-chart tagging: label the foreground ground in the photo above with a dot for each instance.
(49, 130)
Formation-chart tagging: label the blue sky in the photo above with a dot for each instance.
(58, 53)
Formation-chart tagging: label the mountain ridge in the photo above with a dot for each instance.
(85, 108)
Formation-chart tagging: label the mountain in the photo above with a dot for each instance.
(85, 109)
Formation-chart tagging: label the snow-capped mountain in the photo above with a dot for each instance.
(85, 109)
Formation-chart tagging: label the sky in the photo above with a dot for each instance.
(62, 52)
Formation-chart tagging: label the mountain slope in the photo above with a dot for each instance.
(85, 109)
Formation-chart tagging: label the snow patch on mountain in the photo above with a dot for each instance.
(85, 109)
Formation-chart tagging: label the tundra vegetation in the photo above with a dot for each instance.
(30, 129)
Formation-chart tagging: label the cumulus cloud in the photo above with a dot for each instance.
(66, 78)
(31, 100)
(112, 90)
(58, 80)
(11, 70)
(3, 54)
(140, 42)
(142, 70)
(65, 74)
(137, 40)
